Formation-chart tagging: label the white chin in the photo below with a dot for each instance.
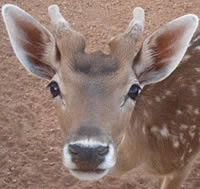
(88, 175)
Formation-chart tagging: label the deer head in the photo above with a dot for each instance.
(95, 94)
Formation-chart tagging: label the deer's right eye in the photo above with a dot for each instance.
(54, 88)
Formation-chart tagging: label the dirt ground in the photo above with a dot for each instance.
(30, 139)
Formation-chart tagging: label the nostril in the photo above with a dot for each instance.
(102, 150)
(73, 149)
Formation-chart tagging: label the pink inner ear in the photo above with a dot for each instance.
(165, 46)
(33, 40)
(163, 50)
(35, 46)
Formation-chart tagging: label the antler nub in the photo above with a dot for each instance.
(57, 20)
(136, 26)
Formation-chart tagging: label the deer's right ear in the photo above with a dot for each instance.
(163, 50)
(32, 43)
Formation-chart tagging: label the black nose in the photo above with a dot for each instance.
(87, 158)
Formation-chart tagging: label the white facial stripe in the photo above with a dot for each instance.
(89, 143)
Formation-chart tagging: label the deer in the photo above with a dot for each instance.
(118, 110)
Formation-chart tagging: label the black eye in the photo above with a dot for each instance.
(54, 88)
(134, 91)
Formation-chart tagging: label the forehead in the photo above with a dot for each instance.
(95, 74)
(95, 64)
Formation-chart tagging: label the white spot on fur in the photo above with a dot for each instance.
(182, 157)
(157, 99)
(194, 127)
(182, 138)
(164, 132)
(154, 129)
(146, 114)
(196, 111)
(198, 81)
(179, 112)
(183, 127)
(144, 130)
(168, 93)
(197, 48)
(186, 57)
(194, 91)
(190, 150)
(197, 69)
(149, 102)
(191, 133)
(176, 144)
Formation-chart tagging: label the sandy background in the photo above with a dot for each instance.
(30, 138)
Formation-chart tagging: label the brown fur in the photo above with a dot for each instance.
(176, 112)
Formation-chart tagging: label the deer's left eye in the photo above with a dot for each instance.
(54, 88)
(134, 91)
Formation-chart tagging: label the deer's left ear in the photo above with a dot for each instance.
(163, 50)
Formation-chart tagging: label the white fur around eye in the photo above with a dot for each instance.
(128, 105)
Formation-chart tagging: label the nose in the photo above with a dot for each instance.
(87, 158)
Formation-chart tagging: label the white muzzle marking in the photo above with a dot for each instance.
(105, 166)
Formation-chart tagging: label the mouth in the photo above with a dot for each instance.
(89, 174)
(97, 171)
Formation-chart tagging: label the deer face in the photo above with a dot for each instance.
(95, 93)
(92, 111)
